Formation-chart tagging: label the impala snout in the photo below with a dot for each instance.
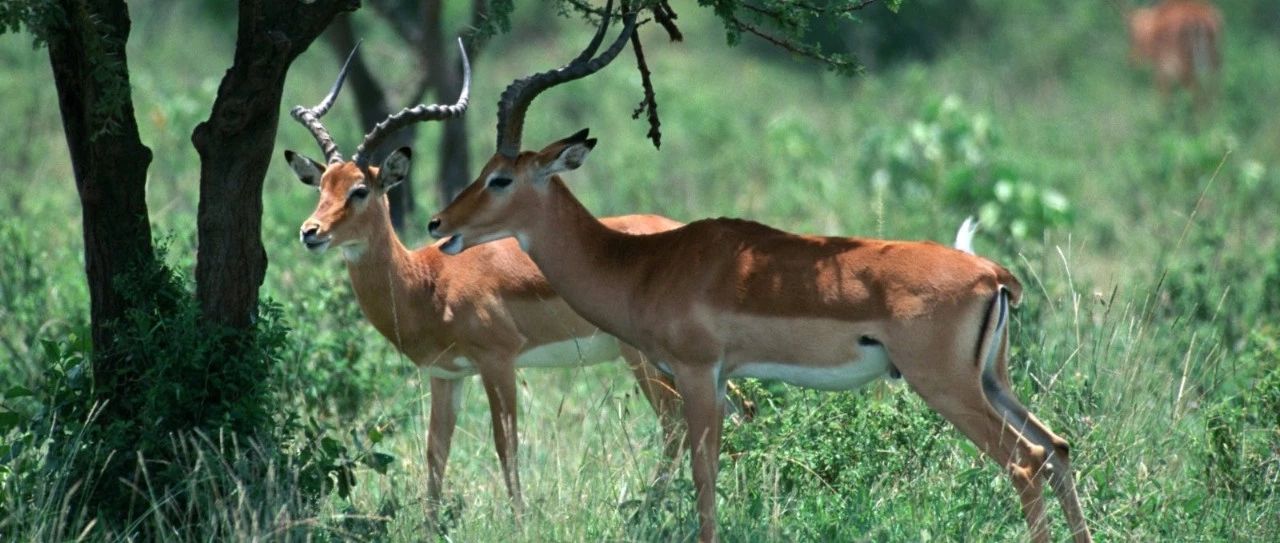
(453, 244)
(311, 237)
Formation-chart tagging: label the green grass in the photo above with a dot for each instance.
(1150, 314)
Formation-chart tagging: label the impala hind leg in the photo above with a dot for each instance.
(500, 386)
(967, 408)
(662, 397)
(1057, 463)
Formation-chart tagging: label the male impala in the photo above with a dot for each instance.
(1179, 38)
(724, 298)
(486, 312)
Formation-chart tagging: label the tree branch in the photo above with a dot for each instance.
(650, 101)
(665, 16)
(812, 9)
(836, 62)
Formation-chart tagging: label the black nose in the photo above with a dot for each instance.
(310, 231)
(433, 225)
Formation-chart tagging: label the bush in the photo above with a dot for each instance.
(193, 421)
(830, 452)
(953, 155)
(1242, 455)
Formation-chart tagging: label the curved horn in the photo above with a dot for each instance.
(310, 117)
(516, 98)
(418, 113)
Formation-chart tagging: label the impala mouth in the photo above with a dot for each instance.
(316, 245)
(452, 245)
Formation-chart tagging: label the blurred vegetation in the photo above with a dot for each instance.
(1144, 231)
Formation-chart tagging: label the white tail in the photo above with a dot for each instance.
(964, 236)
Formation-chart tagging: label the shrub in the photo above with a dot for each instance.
(192, 422)
(951, 154)
(1242, 454)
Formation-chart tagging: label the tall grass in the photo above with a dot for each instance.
(1147, 337)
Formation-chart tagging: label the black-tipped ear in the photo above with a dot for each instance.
(395, 168)
(307, 170)
(577, 137)
(591, 143)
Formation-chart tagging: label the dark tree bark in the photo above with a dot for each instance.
(87, 52)
(235, 145)
(373, 104)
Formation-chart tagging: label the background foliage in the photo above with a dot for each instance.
(1147, 336)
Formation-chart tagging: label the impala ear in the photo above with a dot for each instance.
(307, 170)
(395, 168)
(569, 153)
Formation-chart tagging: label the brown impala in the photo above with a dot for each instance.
(486, 312)
(1179, 39)
(724, 298)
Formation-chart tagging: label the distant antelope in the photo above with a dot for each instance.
(724, 298)
(1179, 39)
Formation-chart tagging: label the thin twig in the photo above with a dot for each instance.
(783, 43)
(650, 101)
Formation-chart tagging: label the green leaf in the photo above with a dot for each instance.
(8, 421)
(18, 391)
(378, 461)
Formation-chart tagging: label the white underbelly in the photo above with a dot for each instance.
(872, 365)
(583, 351)
(463, 368)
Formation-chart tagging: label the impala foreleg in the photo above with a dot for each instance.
(703, 398)
(445, 396)
(500, 386)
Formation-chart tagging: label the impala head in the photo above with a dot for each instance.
(511, 188)
(353, 192)
(352, 198)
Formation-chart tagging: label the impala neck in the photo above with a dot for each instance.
(583, 260)
(384, 274)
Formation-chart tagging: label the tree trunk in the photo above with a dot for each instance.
(235, 146)
(373, 105)
(90, 70)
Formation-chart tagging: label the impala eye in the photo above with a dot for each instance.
(358, 192)
(499, 182)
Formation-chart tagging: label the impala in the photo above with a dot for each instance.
(1179, 38)
(725, 298)
(485, 313)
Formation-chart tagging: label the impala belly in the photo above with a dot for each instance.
(824, 354)
(848, 376)
(581, 351)
(461, 368)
